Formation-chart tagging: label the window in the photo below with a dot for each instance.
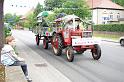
(118, 15)
(111, 16)
(103, 22)
(105, 18)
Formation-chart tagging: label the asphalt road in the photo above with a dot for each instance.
(109, 68)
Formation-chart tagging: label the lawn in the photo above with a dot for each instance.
(107, 36)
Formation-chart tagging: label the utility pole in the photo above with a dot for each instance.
(92, 11)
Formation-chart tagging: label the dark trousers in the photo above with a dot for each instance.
(23, 66)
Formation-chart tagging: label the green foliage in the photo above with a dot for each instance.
(30, 22)
(31, 19)
(11, 19)
(7, 31)
(38, 9)
(51, 17)
(120, 2)
(51, 4)
(77, 7)
(110, 27)
(7, 17)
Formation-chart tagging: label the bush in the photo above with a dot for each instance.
(7, 30)
(109, 27)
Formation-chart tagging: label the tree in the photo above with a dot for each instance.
(51, 4)
(38, 9)
(1, 26)
(120, 2)
(7, 17)
(50, 18)
(77, 7)
(11, 19)
(30, 21)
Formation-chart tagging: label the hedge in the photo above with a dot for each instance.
(109, 27)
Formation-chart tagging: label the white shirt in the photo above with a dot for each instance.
(8, 56)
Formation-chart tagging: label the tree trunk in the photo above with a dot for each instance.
(2, 68)
(1, 26)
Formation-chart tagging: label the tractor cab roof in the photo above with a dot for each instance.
(70, 18)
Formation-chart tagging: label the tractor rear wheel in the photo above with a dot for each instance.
(45, 43)
(96, 52)
(70, 53)
(57, 44)
(37, 40)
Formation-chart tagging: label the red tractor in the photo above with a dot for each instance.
(73, 34)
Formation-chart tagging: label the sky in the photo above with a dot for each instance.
(20, 7)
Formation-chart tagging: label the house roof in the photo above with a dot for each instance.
(107, 4)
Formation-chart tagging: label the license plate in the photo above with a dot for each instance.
(84, 41)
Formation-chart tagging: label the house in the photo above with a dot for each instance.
(121, 20)
(105, 11)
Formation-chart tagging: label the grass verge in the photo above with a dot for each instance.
(107, 36)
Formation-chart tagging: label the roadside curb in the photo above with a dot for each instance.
(110, 41)
(107, 40)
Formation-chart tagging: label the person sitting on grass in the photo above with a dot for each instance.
(9, 57)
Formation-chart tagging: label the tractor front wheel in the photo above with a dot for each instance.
(96, 52)
(57, 44)
(70, 54)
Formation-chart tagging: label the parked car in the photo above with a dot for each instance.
(121, 40)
